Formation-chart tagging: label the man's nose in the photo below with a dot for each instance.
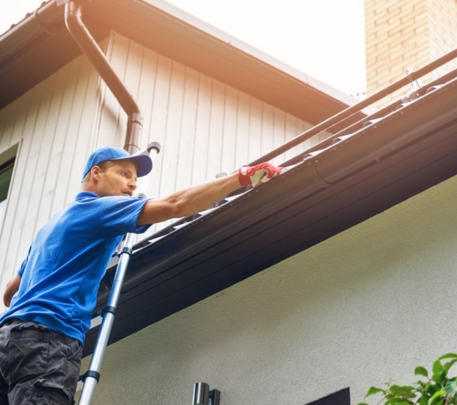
(132, 185)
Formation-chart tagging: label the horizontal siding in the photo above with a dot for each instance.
(204, 126)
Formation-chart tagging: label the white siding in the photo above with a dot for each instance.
(53, 124)
(205, 127)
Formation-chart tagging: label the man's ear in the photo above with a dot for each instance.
(95, 172)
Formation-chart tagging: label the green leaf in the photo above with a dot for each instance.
(423, 400)
(448, 365)
(451, 387)
(437, 397)
(373, 391)
(448, 356)
(402, 391)
(398, 401)
(362, 403)
(421, 371)
(438, 371)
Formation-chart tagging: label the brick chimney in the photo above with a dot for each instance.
(405, 35)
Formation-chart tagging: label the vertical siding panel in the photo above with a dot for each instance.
(242, 131)
(3, 124)
(214, 155)
(10, 226)
(291, 132)
(134, 70)
(302, 127)
(54, 164)
(228, 162)
(268, 125)
(130, 71)
(10, 125)
(44, 156)
(279, 133)
(188, 126)
(7, 128)
(72, 133)
(173, 130)
(169, 173)
(146, 91)
(21, 224)
(110, 132)
(158, 127)
(86, 130)
(6, 121)
(22, 112)
(167, 180)
(202, 130)
(255, 130)
(102, 93)
(146, 88)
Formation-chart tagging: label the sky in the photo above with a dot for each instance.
(321, 38)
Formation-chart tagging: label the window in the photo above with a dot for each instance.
(7, 160)
(341, 397)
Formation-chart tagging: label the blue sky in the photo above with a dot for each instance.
(322, 38)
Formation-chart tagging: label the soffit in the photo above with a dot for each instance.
(169, 32)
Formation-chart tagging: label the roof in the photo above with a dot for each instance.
(354, 174)
(171, 32)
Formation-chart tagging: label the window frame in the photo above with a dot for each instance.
(8, 156)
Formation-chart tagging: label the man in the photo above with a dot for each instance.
(52, 297)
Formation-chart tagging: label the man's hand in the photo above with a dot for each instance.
(10, 290)
(260, 173)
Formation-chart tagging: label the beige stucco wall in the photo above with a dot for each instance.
(359, 309)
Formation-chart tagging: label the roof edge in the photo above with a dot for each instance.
(251, 51)
(173, 33)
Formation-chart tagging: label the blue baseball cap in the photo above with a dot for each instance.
(142, 160)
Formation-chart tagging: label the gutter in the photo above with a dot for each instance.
(261, 227)
(88, 45)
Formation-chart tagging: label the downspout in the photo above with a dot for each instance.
(88, 45)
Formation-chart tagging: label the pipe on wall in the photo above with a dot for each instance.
(88, 45)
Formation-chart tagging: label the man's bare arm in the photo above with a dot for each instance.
(190, 201)
(10, 290)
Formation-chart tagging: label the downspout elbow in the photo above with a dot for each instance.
(84, 39)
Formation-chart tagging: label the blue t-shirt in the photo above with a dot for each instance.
(67, 261)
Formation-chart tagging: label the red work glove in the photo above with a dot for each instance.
(254, 175)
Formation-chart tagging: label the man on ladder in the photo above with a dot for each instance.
(53, 295)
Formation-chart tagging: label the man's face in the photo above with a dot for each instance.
(116, 178)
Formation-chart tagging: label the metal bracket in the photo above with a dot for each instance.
(155, 146)
(204, 396)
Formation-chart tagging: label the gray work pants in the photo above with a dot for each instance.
(37, 366)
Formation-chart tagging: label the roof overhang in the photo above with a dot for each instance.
(171, 32)
(378, 166)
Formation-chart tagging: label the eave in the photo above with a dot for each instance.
(344, 183)
(166, 30)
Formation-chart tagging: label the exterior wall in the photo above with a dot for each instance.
(404, 36)
(359, 309)
(52, 123)
(204, 126)
(443, 30)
